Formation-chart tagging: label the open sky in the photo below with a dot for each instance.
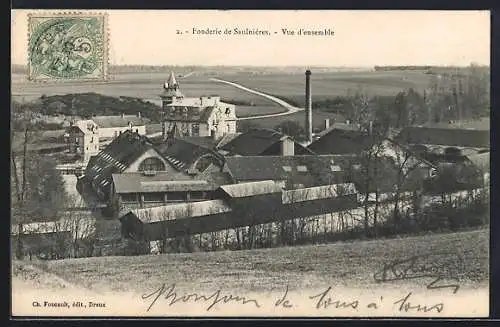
(362, 38)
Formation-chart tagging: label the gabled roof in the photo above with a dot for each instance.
(318, 192)
(307, 170)
(251, 189)
(179, 112)
(201, 141)
(164, 182)
(342, 141)
(118, 121)
(480, 160)
(445, 136)
(214, 175)
(171, 80)
(115, 158)
(179, 211)
(340, 126)
(181, 154)
(259, 142)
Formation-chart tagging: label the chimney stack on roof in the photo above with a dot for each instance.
(138, 114)
(327, 123)
(308, 110)
(287, 146)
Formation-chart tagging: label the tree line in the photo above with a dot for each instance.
(86, 105)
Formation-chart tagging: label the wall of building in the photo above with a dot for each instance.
(91, 146)
(76, 141)
(111, 132)
(140, 200)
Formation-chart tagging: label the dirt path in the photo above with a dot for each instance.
(290, 109)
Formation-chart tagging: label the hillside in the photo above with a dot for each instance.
(462, 255)
(89, 104)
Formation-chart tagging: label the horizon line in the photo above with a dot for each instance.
(290, 66)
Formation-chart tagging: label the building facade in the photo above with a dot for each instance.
(85, 137)
(152, 189)
(203, 116)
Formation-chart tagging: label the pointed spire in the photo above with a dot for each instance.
(171, 80)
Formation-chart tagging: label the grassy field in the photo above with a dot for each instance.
(318, 119)
(290, 85)
(329, 85)
(148, 87)
(462, 255)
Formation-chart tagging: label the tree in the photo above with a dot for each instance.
(408, 176)
(37, 187)
(246, 126)
(291, 128)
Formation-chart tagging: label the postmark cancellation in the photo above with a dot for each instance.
(67, 47)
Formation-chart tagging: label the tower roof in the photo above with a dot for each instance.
(171, 80)
(171, 88)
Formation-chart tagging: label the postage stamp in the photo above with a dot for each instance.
(68, 46)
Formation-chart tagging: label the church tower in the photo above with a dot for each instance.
(171, 91)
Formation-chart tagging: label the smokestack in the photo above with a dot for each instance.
(308, 107)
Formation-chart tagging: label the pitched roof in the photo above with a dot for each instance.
(318, 192)
(165, 182)
(115, 158)
(257, 142)
(201, 141)
(342, 141)
(251, 189)
(214, 175)
(180, 112)
(445, 136)
(179, 211)
(171, 79)
(308, 170)
(341, 126)
(182, 154)
(226, 138)
(480, 160)
(118, 121)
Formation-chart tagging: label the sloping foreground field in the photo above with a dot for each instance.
(319, 279)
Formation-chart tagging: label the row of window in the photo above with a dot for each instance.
(163, 197)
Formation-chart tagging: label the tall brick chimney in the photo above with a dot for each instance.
(308, 110)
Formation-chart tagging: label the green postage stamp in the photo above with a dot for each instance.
(67, 47)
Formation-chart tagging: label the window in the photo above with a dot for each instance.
(129, 197)
(335, 168)
(197, 195)
(195, 129)
(152, 164)
(153, 197)
(176, 196)
(302, 168)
